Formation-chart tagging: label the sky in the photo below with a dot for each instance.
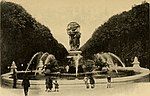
(89, 14)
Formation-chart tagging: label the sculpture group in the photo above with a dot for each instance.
(73, 30)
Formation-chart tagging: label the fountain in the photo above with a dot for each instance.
(74, 41)
(42, 60)
(41, 63)
(46, 61)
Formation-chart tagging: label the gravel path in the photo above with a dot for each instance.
(118, 89)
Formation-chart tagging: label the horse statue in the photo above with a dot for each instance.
(110, 60)
(45, 62)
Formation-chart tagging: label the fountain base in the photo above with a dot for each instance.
(7, 78)
(75, 56)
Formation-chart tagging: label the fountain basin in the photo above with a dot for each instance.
(142, 72)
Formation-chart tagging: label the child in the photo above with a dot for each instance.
(56, 86)
(108, 82)
(47, 84)
(86, 80)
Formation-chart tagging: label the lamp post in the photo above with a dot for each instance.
(14, 70)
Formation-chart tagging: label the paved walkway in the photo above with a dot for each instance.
(118, 89)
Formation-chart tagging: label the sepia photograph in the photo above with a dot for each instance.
(75, 48)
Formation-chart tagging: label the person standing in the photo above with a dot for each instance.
(49, 84)
(108, 81)
(26, 84)
(92, 82)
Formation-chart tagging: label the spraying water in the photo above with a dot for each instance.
(49, 58)
(116, 58)
(41, 63)
(39, 67)
(44, 55)
(32, 60)
(76, 59)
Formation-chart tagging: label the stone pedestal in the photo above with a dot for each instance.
(136, 64)
(73, 53)
(13, 67)
(14, 70)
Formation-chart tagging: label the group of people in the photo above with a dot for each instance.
(90, 82)
(49, 85)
